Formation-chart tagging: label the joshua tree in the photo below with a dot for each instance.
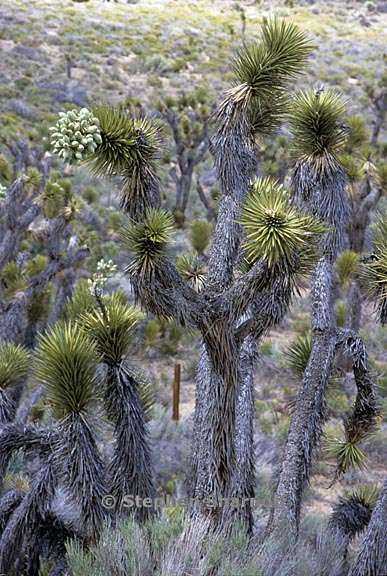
(319, 184)
(30, 261)
(65, 363)
(188, 117)
(276, 234)
(372, 558)
(127, 400)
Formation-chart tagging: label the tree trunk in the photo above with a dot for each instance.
(242, 482)
(308, 418)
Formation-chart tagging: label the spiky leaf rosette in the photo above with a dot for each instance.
(298, 353)
(353, 511)
(148, 240)
(275, 230)
(14, 364)
(374, 271)
(65, 363)
(192, 269)
(75, 135)
(346, 266)
(348, 455)
(129, 148)
(316, 122)
(264, 69)
(111, 329)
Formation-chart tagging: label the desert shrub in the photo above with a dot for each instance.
(200, 235)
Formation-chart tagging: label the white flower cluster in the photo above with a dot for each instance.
(105, 269)
(75, 135)
(3, 191)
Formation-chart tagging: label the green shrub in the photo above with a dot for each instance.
(152, 332)
(200, 235)
(341, 313)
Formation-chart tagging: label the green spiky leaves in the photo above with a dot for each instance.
(264, 69)
(281, 53)
(147, 240)
(316, 122)
(66, 362)
(14, 364)
(374, 271)
(126, 142)
(111, 329)
(298, 353)
(346, 266)
(275, 230)
(192, 269)
(348, 455)
(365, 494)
(75, 135)
(129, 148)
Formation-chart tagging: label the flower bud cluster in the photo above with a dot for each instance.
(75, 135)
(105, 269)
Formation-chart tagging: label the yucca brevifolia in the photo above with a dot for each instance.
(253, 107)
(66, 364)
(367, 185)
(372, 558)
(127, 401)
(319, 184)
(187, 116)
(26, 278)
(128, 148)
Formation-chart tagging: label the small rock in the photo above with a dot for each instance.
(71, 92)
(28, 53)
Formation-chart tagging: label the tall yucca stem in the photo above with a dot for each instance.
(307, 421)
(267, 311)
(130, 471)
(319, 186)
(82, 471)
(218, 373)
(66, 364)
(235, 162)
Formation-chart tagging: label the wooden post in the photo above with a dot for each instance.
(176, 392)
